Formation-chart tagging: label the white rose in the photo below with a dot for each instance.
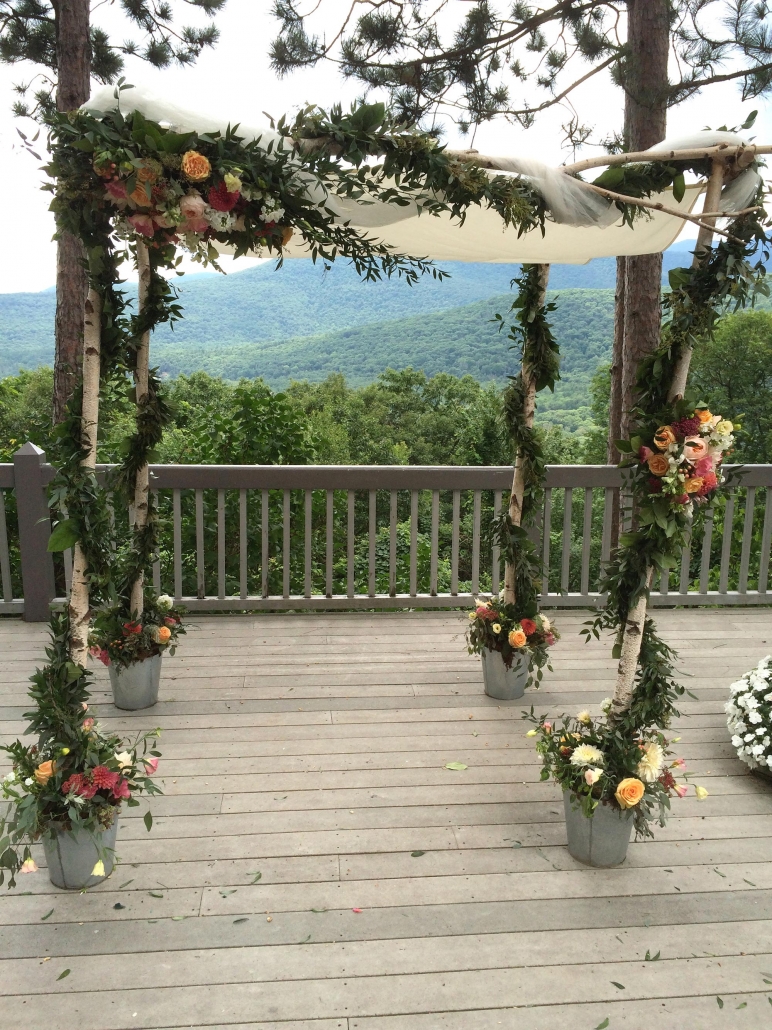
(165, 602)
(123, 759)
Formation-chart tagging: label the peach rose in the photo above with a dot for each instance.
(163, 634)
(694, 485)
(703, 415)
(195, 166)
(517, 638)
(192, 207)
(150, 170)
(658, 465)
(629, 792)
(663, 437)
(44, 772)
(695, 448)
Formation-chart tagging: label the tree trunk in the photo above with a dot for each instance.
(518, 478)
(79, 607)
(638, 288)
(142, 480)
(73, 56)
(631, 637)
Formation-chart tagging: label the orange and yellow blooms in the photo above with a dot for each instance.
(629, 792)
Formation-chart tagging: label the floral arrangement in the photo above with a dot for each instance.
(681, 461)
(601, 766)
(749, 716)
(511, 630)
(114, 640)
(77, 779)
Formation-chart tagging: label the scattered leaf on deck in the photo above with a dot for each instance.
(62, 975)
(241, 919)
(42, 918)
(749, 882)
(603, 1025)
(177, 919)
(258, 876)
(125, 884)
(719, 1002)
(743, 1005)
(456, 766)
(317, 910)
(620, 986)
(225, 893)
(413, 854)
(148, 820)
(155, 894)
(306, 939)
(651, 958)
(118, 905)
(723, 875)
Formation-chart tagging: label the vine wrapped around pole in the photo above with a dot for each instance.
(141, 388)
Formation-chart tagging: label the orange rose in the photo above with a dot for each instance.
(195, 166)
(663, 437)
(703, 414)
(150, 170)
(629, 792)
(163, 634)
(658, 465)
(694, 485)
(517, 638)
(44, 772)
(140, 196)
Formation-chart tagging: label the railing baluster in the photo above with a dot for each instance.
(264, 542)
(221, 544)
(285, 556)
(496, 550)
(566, 556)
(476, 542)
(726, 543)
(393, 543)
(586, 534)
(750, 504)
(330, 541)
(350, 542)
(309, 503)
(371, 531)
(546, 541)
(67, 559)
(5, 558)
(707, 541)
(157, 560)
(609, 499)
(686, 558)
(766, 540)
(243, 545)
(413, 542)
(435, 540)
(200, 570)
(664, 582)
(177, 543)
(455, 533)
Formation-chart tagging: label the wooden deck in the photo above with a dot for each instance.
(395, 894)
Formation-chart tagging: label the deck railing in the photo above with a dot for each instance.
(241, 537)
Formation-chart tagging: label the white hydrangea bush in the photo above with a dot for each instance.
(749, 716)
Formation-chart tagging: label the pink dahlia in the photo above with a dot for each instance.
(104, 778)
(703, 466)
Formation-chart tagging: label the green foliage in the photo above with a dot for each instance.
(121, 642)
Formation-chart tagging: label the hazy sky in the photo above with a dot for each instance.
(235, 79)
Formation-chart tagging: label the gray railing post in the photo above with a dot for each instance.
(37, 565)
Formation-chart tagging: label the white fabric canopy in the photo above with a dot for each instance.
(482, 237)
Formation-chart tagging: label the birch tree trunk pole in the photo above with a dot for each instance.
(518, 479)
(79, 606)
(636, 617)
(142, 479)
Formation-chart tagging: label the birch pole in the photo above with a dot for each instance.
(79, 606)
(636, 616)
(518, 478)
(142, 478)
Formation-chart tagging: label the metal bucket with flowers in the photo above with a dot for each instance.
(612, 783)
(513, 644)
(67, 790)
(132, 649)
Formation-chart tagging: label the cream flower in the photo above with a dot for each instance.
(123, 759)
(496, 627)
(584, 717)
(724, 427)
(546, 625)
(99, 869)
(29, 865)
(605, 704)
(233, 183)
(592, 775)
(651, 764)
(586, 754)
(165, 602)
(701, 793)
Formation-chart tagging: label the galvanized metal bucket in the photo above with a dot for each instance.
(500, 682)
(72, 854)
(601, 840)
(136, 686)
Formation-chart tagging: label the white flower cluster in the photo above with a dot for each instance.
(749, 716)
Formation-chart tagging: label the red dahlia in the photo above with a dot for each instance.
(221, 200)
(529, 626)
(686, 427)
(103, 778)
